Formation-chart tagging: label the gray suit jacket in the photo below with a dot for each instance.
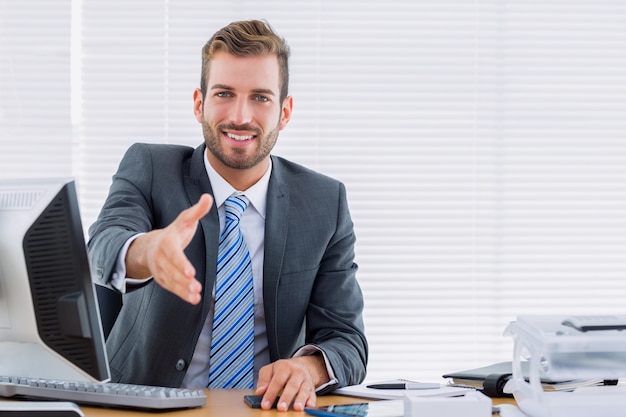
(310, 291)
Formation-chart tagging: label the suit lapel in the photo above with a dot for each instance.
(276, 227)
(197, 183)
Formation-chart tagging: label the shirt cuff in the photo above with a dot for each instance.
(118, 278)
(309, 350)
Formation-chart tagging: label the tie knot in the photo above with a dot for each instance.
(235, 206)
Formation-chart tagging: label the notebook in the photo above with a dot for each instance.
(491, 379)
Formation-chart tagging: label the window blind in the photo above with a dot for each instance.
(35, 131)
(497, 124)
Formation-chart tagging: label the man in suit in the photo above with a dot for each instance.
(156, 240)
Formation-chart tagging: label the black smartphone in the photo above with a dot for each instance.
(254, 401)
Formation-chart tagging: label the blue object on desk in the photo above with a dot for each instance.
(405, 385)
(385, 408)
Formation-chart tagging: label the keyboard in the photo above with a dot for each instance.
(108, 394)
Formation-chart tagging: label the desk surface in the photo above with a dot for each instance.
(229, 403)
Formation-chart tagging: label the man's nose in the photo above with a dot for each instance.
(241, 112)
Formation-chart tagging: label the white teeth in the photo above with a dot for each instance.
(237, 137)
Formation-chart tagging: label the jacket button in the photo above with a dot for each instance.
(181, 364)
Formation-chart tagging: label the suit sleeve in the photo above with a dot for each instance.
(334, 317)
(125, 213)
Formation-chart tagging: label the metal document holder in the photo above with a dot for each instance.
(561, 353)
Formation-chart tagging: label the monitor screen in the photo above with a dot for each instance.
(49, 318)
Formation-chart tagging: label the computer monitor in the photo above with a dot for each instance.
(49, 318)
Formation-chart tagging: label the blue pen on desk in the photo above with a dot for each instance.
(405, 385)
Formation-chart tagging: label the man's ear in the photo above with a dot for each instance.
(285, 112)
(198, 103)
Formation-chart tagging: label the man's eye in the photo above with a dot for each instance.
(222, 94)
(262, 99)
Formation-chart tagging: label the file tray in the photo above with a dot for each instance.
(559, 349)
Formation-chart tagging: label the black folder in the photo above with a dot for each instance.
(491, 379)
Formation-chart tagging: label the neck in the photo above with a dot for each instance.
(240, 179)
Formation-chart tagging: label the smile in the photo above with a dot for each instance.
(239, 137)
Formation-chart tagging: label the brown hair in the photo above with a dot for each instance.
(247, 38)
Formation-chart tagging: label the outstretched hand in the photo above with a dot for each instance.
(160, 253)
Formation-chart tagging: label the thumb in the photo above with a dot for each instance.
(194, 213)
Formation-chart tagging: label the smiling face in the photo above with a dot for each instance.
(241, 115)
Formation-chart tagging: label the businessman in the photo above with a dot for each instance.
(175, 217)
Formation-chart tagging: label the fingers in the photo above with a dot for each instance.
(289, 379)
(166, 259)
(174, 272)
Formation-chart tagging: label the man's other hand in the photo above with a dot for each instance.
(293, 380)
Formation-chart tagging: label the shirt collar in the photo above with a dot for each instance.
(257, 194)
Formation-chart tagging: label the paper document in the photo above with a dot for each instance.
(362, 391)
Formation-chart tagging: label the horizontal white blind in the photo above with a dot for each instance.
(500, 124)
(35, 129)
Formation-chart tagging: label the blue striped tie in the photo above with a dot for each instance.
(232, 346)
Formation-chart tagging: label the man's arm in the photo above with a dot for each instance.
(334, 323)
(143, 200)
(335, 314)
